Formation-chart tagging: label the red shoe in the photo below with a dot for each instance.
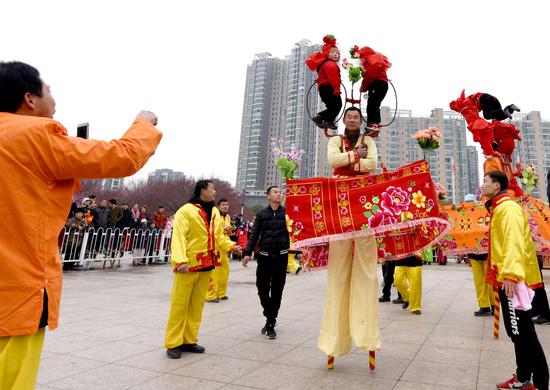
(513, 383)
(373, 130)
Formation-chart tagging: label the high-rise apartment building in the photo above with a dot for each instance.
(300, 130)
(472, 169)
(263, 119)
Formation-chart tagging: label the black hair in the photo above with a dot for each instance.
(125, 203)
(201, 185)
(500, 178)
(92, 196)
(80, 210)
(112, 201)
(222, 200)
(161, 207)
(17, 79)
(352, 109)
(269, 189)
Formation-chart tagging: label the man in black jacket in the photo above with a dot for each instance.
(271, 232)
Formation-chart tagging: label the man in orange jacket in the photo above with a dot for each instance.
(41, 166)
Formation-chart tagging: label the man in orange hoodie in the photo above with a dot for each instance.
(41, 166)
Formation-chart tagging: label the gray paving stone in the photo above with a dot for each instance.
(108, 377)
(113, 323)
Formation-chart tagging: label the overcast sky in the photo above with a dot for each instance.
(186, 61)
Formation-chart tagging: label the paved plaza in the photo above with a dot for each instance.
(112, 329)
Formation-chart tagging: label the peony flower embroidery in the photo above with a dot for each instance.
(382, 217)
(419, 200)
(395, 200)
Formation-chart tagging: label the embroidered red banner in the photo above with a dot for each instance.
(399, 207)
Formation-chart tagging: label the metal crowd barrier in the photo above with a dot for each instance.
(83, 247)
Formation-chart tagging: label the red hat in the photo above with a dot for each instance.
(330, 42)
(319, 57)
(365, 52)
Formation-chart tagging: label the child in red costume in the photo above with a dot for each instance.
(375, 82)
(497, 139)
(325, 63)
(491, 107)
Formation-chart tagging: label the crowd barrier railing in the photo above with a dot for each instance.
(81, 247)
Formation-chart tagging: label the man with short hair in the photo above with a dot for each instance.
(217, 289)
(41, 165)
(196, 242)
(126, 221)
(351, 302)
(116, 213)
(270, 231)
(160, 218)
(102, 214)
(512, 268)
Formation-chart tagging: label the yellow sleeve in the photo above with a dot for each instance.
(223, 242)
(338, 159)
(179, 238)
(368, 164)
(513, 244)
(71, 157)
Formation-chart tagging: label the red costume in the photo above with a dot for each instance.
(328, 83)
(490, 135)
(375, 66)
(375, 82)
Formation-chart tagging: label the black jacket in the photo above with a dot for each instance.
(270, 231)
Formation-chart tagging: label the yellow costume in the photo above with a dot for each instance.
(293, 265)
(513, 255)
(219, 277)
(351, 302)
(408, 281)
(484, 291)
(196, 244)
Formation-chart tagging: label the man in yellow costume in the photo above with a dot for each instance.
(512, 268)
(484, 291)
(197, 242)
(351, 302)
(408, 281)
(41, 165)
(217, 289)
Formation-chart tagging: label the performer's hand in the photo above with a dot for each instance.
(148, 116)
(183, 269)
(246, 259)
(237, 249)
(362, 151)
(509, 288)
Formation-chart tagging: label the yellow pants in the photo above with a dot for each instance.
(217, 288)
(484, 291)
(351, 301)
(187, 303)
(19, 360)
(408, 281)
(292, 264)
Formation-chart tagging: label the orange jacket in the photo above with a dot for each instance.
(40, 166)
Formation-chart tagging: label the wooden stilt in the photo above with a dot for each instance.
(372, 360)
(496, 324)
